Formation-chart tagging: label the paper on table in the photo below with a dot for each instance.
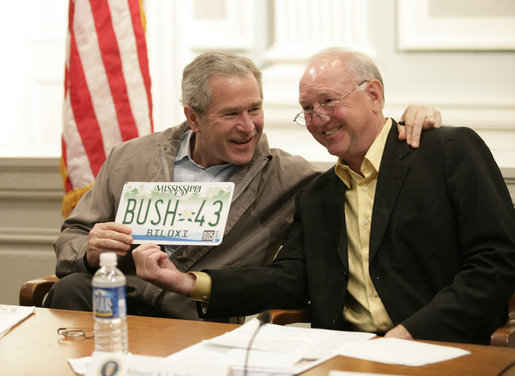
(399, 351)
(307, 342)
(10, 315)
(200, 359)
(205, 352)
(80, 365)
(276, 349)
(131, 364)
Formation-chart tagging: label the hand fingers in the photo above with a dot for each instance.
(143, 251)
(153, 265)
(408, 118)
(415, 130)
(417, 118)
(147, 258)
(114, 226)
(426, 118)
(399, 331)
(108, 245)
(110, 236)
(118, 227)
(113, 230)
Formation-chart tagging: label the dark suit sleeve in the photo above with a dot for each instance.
(247, 290)
(485, 218)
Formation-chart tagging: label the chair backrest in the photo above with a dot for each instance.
(287, 316)
(33, 292)
(505, 336)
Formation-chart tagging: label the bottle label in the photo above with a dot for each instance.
(109, 302)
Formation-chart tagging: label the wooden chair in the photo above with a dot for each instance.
(504, 336)
(34, 291)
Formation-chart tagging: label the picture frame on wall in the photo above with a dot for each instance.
(455, 25)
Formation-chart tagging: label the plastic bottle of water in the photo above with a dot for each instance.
(109, 306)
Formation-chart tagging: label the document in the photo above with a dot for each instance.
(102, 363)
(262, 361)
(307, 343)
(80, 365)
(400, 351)
(276, 349)
(10, 315)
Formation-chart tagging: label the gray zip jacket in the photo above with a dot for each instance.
(260, 217)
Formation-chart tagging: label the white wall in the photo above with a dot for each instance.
(471, 83)
(30, 218)
(31, 76)
(473, 88)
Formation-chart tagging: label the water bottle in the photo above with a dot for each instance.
(109, 306)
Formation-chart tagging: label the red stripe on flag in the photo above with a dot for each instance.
(83, 111)
(71, 15)
(82, 133)
(139, 32)
(113, 66)
(66, 79)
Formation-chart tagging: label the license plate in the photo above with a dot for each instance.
(175, 213)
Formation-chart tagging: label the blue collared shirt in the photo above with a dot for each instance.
(186, 170)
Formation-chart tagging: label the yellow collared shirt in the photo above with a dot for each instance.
(363, 307)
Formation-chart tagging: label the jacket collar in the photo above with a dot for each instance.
(333, 198)
(393, 172)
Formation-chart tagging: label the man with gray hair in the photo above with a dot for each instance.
(220, 141)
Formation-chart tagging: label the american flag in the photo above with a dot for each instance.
(107, 96)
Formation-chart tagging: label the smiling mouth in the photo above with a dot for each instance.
(331, 131)
(242, 142)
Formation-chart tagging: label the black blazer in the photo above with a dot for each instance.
(442, 245)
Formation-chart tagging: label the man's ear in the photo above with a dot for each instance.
(376, 94)
(192, 117)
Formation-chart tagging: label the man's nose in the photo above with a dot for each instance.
(245, 122)
(318, 120)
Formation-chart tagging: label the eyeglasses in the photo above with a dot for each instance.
(75, 332)
(323, 110)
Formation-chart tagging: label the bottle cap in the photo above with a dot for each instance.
(108, 259)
